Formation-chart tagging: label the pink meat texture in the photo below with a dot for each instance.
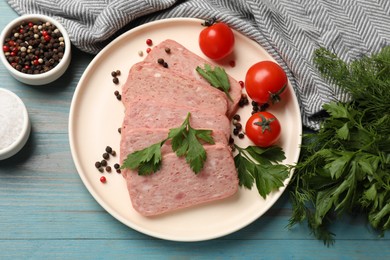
(184, 61)
(157, 99)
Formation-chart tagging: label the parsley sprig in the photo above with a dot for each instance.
(185, 141)
(217, 78)
(260, 166)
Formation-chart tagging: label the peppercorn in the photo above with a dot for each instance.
(235, 131)
(167, 50)
(118, 72)
(108, 168)
(241, 135)
(113, 73)
(98, 165)
(165, 65)
(103, 162)
(118, 170)
(119, 130)
(263, 107)
(103, 179)
(106, 156)
(115, 80)
(160, 61)
(116, 92)
(108, 149)
(237, 117)
(119, 97)
(238, 126)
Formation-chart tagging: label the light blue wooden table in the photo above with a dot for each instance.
(47, 213)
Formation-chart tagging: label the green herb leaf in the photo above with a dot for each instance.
(184, 141)
(269, 177)
(217, 78)
(257, 165)
(147, 160)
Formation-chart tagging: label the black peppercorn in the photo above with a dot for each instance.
(103, 163)
(98, 165)
(106, 156)
(108, 149)
(237, 117)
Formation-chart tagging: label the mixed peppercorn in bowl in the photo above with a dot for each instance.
(36, 49)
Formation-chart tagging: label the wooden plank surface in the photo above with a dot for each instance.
(47, 213)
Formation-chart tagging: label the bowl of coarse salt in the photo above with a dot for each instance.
(15, 124)
(36, 49)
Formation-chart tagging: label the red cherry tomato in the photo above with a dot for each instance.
(265, 81)
(263, 128)
(216, 41)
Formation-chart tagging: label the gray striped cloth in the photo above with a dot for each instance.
(290, 30)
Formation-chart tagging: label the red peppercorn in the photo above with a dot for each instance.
(5, 48)
(27, 67)
(44, 33)
(241, 83)
(13, 53)
(149, 42)
(47, 38)
(232, 63)
(11, 43)
(103, 179)
(30, 24)
(36, 62)
(148, 50)
(21, 30)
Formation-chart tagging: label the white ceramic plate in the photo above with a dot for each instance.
(96, 115)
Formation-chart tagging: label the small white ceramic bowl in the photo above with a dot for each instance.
(15, 124)
(46, 77)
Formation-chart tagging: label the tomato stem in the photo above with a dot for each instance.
(209, 22)
(264, 124)
(275, 97)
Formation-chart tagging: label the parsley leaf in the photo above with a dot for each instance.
(257, 165)
(185, 141)
(147, 160)
(217, 78)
